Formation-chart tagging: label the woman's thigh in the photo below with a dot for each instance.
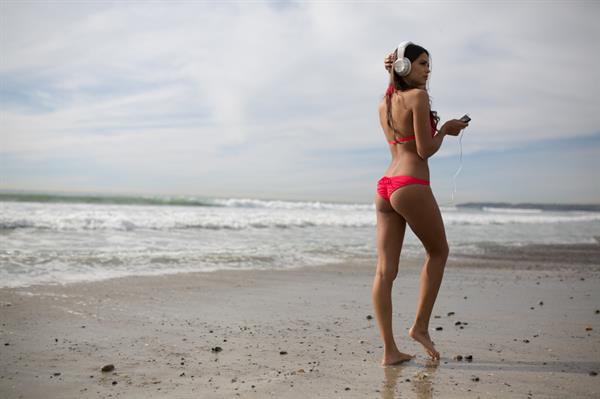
(390, 235)
(418, 207)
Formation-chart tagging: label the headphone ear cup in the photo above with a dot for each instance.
(402, 66)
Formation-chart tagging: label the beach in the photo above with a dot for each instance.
(526, 324)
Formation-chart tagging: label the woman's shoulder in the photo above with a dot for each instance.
(416, 94)
(416, 98)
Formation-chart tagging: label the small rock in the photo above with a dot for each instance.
(458, 323)
(346, 389)
(56, 374)
(216, 349)
(450, 313)
(282, 352)
(369, 317)
(6, 344)
(588, 328)
(526, 341)
(469, 358)
(458, 357)
(438, 328)
(593, 373)
(108, 367)
(114, 382)
(541, 303)
(182, 374)
(474, 378)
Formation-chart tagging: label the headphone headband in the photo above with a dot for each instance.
(402, 48)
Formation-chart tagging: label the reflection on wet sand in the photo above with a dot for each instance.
(422, 381)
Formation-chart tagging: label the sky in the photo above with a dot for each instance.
(279, 99)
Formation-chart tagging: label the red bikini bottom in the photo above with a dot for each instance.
(387, 185)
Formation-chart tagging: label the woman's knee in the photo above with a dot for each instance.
(439, 250)
(386, 271)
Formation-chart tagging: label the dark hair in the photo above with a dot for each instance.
(397, 82)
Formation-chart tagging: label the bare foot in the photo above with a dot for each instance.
(395, 358)
(423, 338)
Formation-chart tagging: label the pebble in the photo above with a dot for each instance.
(369, 317)
(438, 328)
(593, 373)
(114, 382)
(458, 323)
(458, 357)
(108, 367)
(474, 378)
(469, 358)
(597, 311)
(216, 349)
(541, 303)
(450, 313)
(588, 328)
(526, 341)
(282, 352)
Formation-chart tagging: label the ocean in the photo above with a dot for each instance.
(57, 239)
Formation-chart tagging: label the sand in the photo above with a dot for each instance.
(531, 325)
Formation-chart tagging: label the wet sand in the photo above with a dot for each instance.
(531, 325)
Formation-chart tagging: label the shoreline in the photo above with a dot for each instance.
(160, 332)
(528, 257)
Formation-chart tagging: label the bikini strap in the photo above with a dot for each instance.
(388, 100)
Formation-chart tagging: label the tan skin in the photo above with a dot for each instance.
(414, 205)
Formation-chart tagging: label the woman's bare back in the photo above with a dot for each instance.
(405, 159)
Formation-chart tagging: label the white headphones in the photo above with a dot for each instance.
(402, 64)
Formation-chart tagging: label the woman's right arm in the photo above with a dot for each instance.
(426, 145)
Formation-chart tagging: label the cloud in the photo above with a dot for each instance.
(218, 93)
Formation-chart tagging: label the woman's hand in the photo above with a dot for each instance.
(388, 61)
(453, 127)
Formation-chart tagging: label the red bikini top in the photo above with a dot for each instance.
(411, 138)
(388, 93)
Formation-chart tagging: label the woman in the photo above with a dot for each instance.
(405, 197)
